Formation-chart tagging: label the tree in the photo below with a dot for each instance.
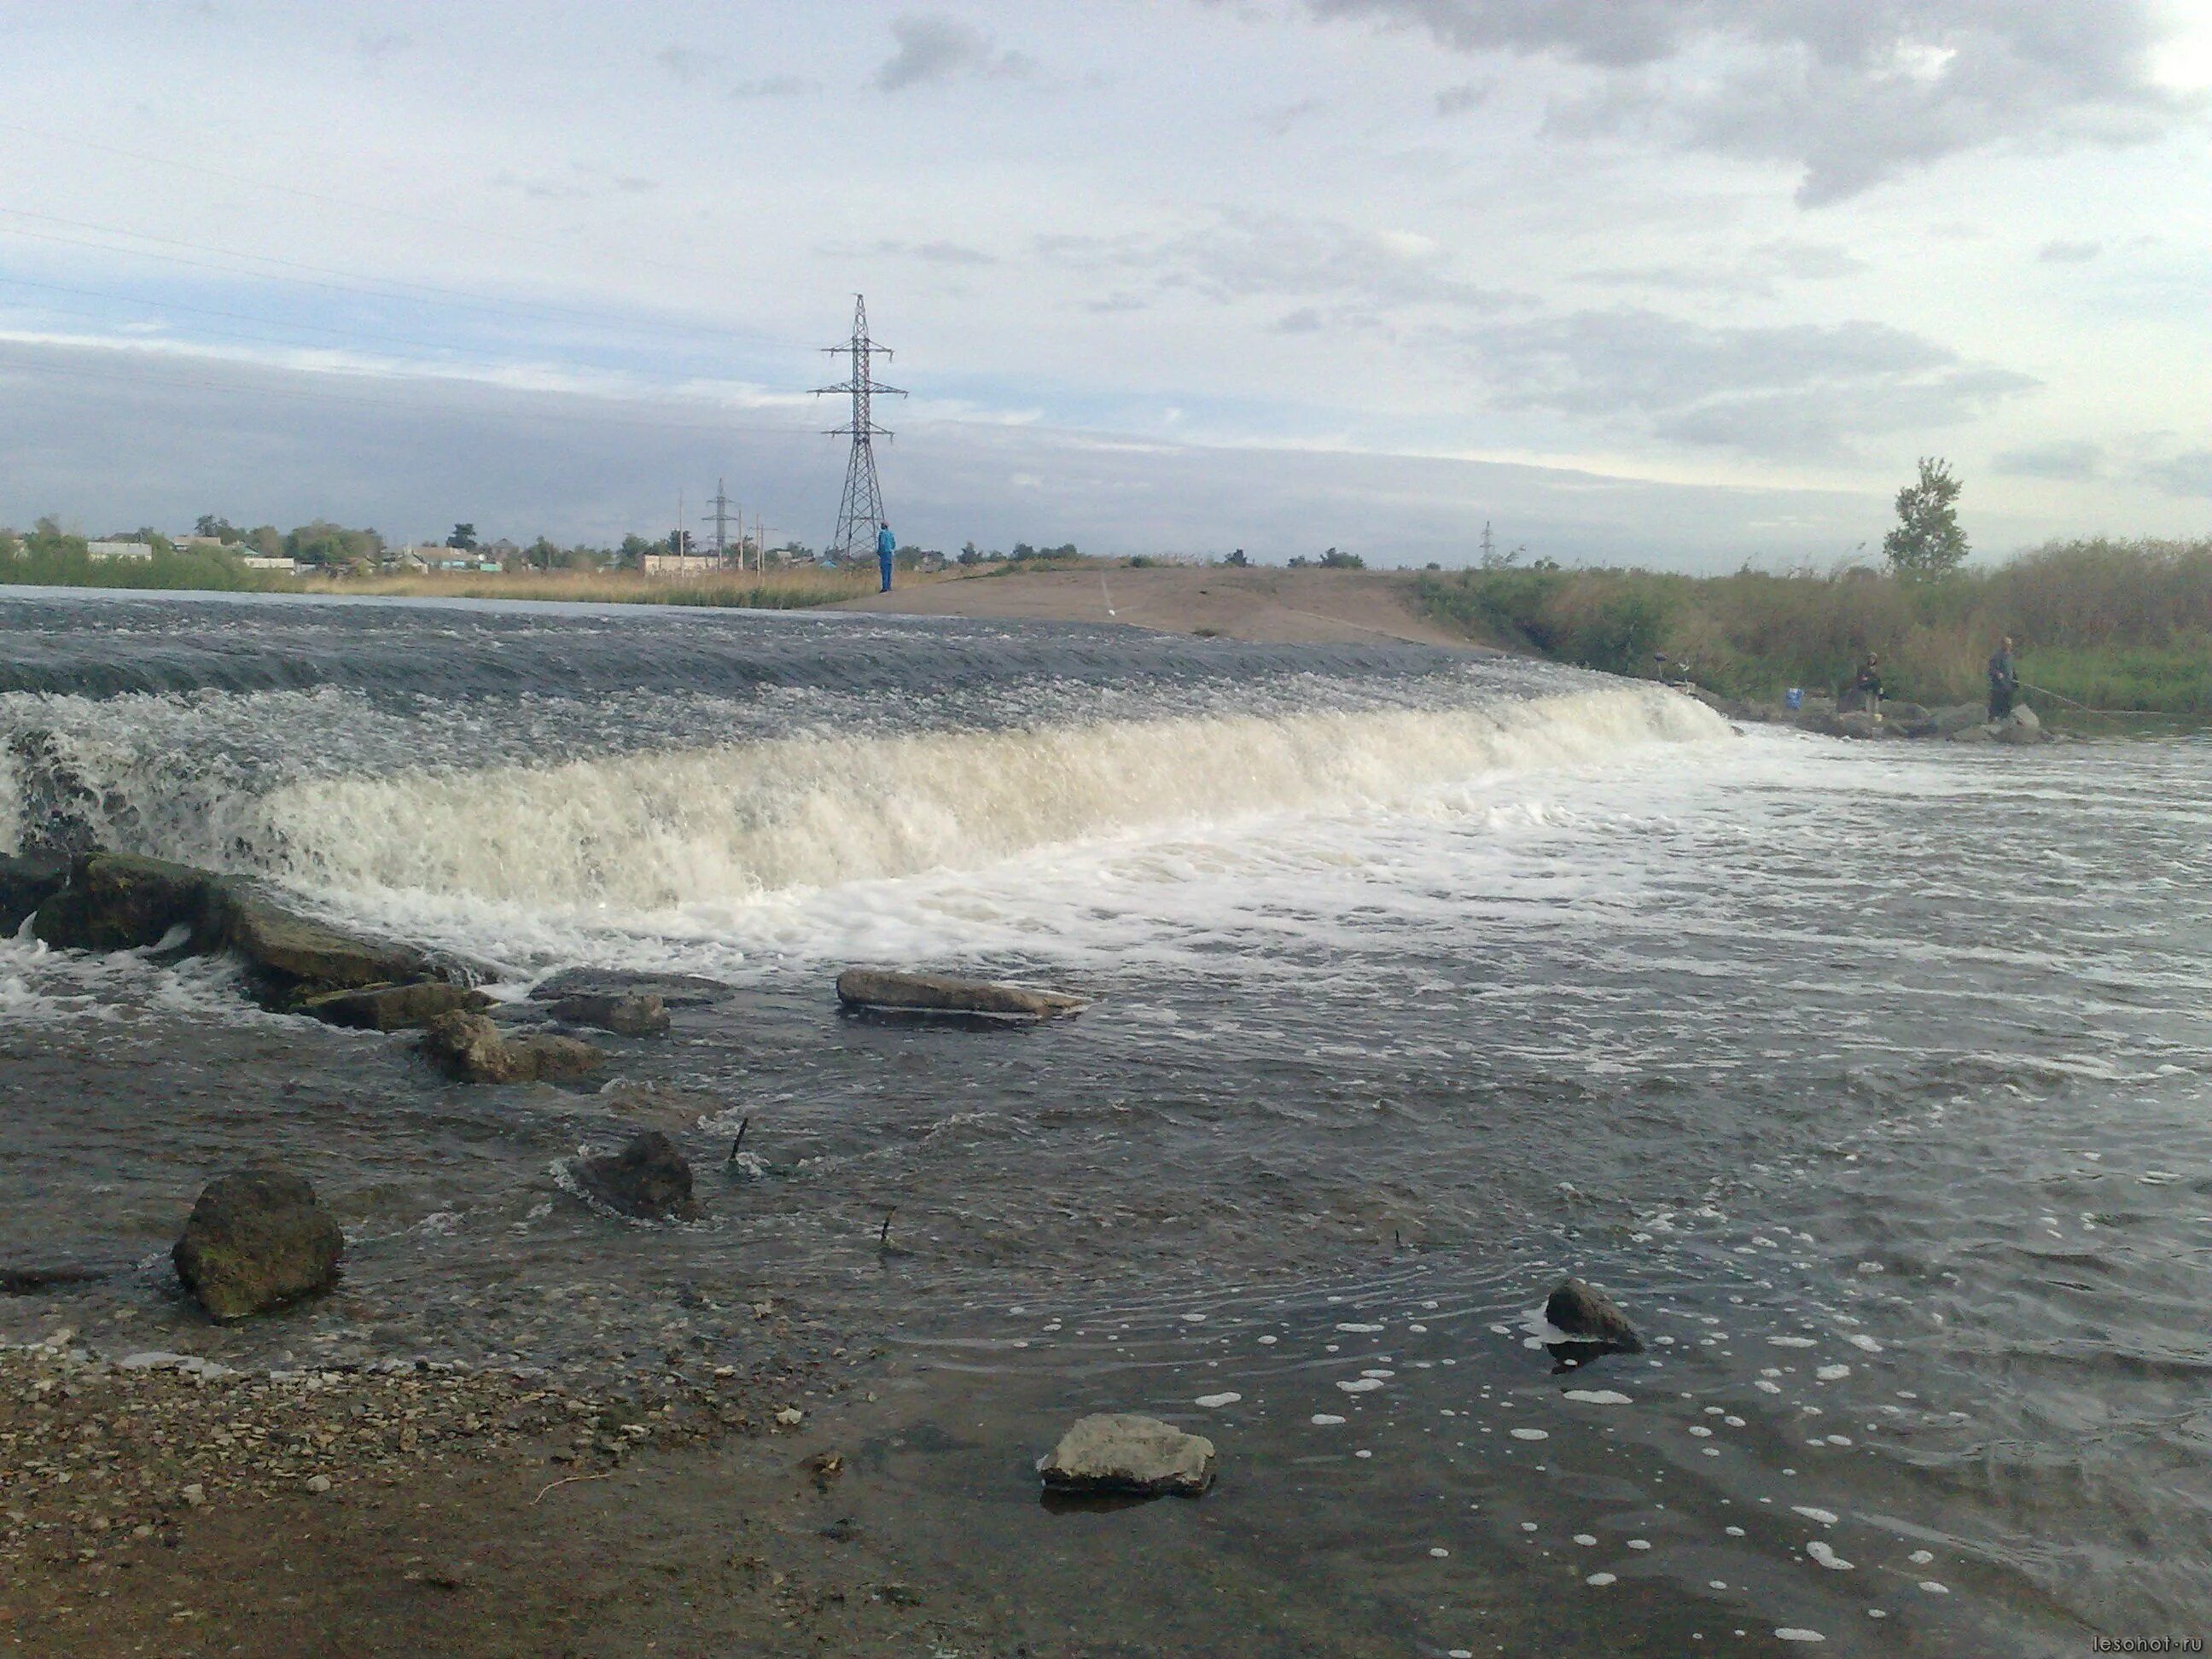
(1927, 541)
(1337, 559)
(464, 538)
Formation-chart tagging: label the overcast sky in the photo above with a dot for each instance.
(1678, 281)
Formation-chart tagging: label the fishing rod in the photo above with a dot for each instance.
(2062, 698)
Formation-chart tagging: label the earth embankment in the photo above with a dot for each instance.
(1274, 606)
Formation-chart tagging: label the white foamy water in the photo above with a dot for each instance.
(651, 832)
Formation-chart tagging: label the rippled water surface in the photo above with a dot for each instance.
(1870, 1079)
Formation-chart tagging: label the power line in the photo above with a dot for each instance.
(861, 512)
(720, 518)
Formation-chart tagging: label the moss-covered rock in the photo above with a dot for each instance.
(256, 1240)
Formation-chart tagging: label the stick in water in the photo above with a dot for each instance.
(744, 1124)
(884, 1233)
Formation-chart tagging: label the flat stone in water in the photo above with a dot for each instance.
(1122, 1452)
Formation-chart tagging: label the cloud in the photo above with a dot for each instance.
(1245, 254)
(2067, 459)
(1283, 116)
(933, 48)
(1802, 389)
(413, 455)
(1458, 100)
(1850, 93)
(771, 86)
(686, 64)
(2069, 253)
(934, 253)
(1754, 270)
(2186, 474)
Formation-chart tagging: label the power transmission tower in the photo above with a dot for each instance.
(720, 518)
(860, 515)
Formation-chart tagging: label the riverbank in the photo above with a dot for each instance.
(1263, 605)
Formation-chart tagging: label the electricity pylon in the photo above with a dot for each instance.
(860, 515)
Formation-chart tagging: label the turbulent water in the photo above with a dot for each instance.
(1872, 1079)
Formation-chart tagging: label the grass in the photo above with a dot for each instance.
(770, 590)
(44, 565)
(2113, 624)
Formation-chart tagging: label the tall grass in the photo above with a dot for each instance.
(2114, 624)
(44, 561)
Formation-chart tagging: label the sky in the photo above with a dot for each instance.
(1678, 283)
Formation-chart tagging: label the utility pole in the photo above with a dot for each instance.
(860, 513)
(1489, 546)
(720, 518)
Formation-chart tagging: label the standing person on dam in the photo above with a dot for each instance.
(2004, 681)
(887, 546)
(1864, 691)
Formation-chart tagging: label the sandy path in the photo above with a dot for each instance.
(1278, 606)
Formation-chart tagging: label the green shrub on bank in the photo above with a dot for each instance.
(45, 557)
(2114, 624)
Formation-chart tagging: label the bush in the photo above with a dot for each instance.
(2115, 624)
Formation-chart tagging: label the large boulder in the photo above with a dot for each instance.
(1118, 1452)
(1588, 1315)
(649, 1179)
(258, 1239)
(470, 1048)
(1957, 717)
(26, 883)
(279, 943)
(624, 1013)
(2019, 726)
(120, 901)
(394, 1007)
(884, 991)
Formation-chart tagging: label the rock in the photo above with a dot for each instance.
(118, 902)
(1117, 1452)
(394, 1007)
(1858, 724)
(1956, 717)
(2019, 726)
(1822, 722)
(630, 1014)
(258, 1239)
(26, 884)
(1588, 1315)
(674, 990)
(469, 1048)
(33, 1281)
(1901, 713)
(882, 990)
(648, 1178)
(296, 953)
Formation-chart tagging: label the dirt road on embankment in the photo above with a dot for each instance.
(1273, 606)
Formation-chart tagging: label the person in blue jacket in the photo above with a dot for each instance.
(886, 545)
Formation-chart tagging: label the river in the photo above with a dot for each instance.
(1870, 1079)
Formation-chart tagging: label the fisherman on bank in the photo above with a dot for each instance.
(1865, 687)
(2005, 682)
(886, 547)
